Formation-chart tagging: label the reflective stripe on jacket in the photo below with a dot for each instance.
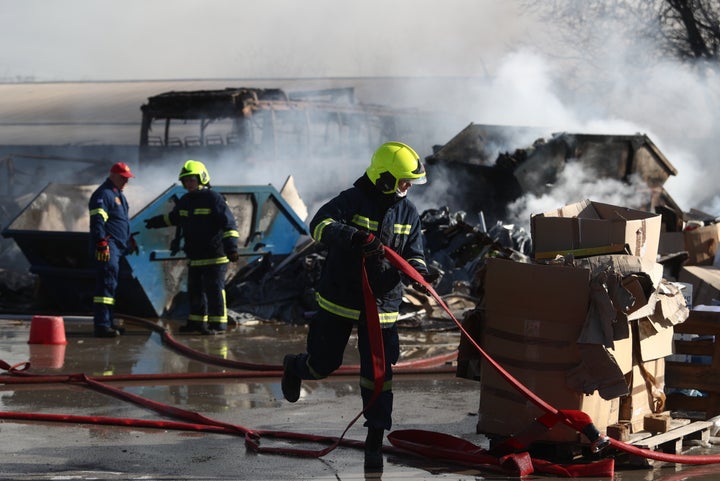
(109, 215)
(208, 226)
(393, 219)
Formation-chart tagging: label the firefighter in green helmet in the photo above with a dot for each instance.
(209, 231)
(373, 213)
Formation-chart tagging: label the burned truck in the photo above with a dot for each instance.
(269, 123)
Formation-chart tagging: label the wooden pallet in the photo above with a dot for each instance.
(671, 441)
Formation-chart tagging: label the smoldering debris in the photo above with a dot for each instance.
(485, 173)
(455, 250)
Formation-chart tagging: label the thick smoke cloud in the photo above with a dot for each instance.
(483, 61)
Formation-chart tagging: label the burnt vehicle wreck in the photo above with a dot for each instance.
(269, 123)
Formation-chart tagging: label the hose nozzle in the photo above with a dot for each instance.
(598, 442)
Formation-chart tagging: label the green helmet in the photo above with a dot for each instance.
(393, 162)
(193, 167)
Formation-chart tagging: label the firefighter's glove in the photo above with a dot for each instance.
(383, 277)
(420, 288)
(429, 278)
(233, 256)
(133, 245)
(155, 222)
(102, 251)
(369, 245)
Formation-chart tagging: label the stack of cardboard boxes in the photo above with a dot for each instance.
(586, 325)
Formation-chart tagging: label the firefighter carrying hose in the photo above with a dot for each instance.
(209, 231)
(358, 223)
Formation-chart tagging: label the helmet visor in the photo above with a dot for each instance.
(418, 180)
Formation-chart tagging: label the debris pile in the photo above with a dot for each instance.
(455, 249)
(488, 178)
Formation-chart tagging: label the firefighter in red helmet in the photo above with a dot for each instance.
(111, 238)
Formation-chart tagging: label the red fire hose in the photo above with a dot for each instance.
(426, 443)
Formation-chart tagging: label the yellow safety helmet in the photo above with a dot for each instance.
(193, 167)
(393, 162)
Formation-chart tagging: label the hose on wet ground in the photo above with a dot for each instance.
(439, 364)
(18, 374)
(414, 441)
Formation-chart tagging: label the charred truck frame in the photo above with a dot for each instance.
(259, 123)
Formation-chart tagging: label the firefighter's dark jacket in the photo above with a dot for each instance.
(394, 220)
(208, 227)
(109, 216)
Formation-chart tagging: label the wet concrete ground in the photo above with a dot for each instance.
(30, 450)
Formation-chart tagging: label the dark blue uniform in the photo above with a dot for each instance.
(395, 221)
(108, 221)
(209, 231)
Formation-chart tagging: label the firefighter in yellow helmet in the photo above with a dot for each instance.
(357, 223)
(209, 231)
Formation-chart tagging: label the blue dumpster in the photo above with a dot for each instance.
(52, 233)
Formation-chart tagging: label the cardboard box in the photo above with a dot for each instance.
(534, 315)
(671, 243)
(705, 281)
(642, 398)
(626, 266)
(546, 325)
(592, 228)
(701, 244)
(504, 411)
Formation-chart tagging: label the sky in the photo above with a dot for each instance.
(521, 74)
(188, 39)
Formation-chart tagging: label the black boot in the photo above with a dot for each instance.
(373, 449)
(193, 327)
(218, 327)
(105, 331)
(290, 380)
(118, 328)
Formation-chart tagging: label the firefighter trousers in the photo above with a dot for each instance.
(206, 294)
(327, 339)
(106, 282)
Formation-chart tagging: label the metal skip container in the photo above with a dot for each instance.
(52, 232)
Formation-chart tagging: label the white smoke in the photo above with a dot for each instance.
(676, 105)
(576, 182)
(480, 60)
